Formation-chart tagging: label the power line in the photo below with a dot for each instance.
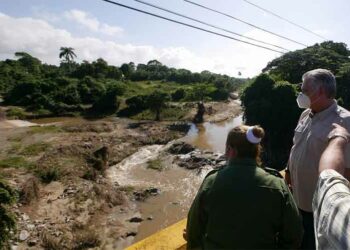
(208, 24)
(285, 19)
(242, 21)
(190, 25)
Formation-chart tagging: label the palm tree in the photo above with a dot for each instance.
(68, 54)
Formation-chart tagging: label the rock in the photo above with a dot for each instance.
(180, 148)
(136, 219)
(30, 226)
(25, 217)
(144, 194)
(24, 234)
(180, 126)
(130, 234)
(150, 217)
(32, 242)
(233, 96)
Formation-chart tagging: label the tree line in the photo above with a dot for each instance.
(270, 98)
(97, 87)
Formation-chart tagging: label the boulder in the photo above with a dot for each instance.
(24, 234)
(180, 147)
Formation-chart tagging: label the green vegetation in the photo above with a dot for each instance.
(167, 114)
(98, 89)
(16, 162)
(15, 113)
(48, 174)
(44, 129)
(7, 221)
(156, 164)
(270, 99)
(35, 149)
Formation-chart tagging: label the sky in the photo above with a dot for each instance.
(96, 29)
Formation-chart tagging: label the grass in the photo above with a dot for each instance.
(15, 148)
(34, 149)
(44, 129)
(155, 164)
(15, 138)
(167, 114)
(48, 174)
(16, 162)
(16, 113)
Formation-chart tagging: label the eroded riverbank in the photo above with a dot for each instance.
(111, 210)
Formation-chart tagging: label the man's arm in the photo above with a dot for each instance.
(334, 155)
(331, 202)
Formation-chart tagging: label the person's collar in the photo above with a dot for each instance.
(324, 113)
(242, 162)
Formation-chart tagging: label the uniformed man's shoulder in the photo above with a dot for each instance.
(210, 177)
(271, 178)
(212, 173)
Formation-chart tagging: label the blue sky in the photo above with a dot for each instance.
(98, 29)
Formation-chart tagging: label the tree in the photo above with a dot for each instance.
(68, 54)
(108, 103)
(157, 102)
(7, 221)
(178, 95)
(292, 65)
(273, 106)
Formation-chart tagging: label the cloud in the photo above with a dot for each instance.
(43, 40)
(92, 23)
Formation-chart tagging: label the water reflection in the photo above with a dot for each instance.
(212, 136)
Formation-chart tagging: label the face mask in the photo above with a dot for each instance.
(303, 101)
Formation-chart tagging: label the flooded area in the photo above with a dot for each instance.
(177, 185)
(211, 136)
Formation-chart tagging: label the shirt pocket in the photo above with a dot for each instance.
(299, 132)
(318, 137)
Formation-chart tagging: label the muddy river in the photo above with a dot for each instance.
(177, 186)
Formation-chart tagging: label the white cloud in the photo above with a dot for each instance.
(92, 23)
(43, 40)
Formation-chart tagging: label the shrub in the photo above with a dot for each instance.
(48, 174)
(7, 221)
(178, 95)
(16, 113)
(86, 239)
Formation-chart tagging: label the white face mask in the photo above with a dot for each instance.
(303, 101)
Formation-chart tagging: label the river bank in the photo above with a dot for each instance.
(94, 199)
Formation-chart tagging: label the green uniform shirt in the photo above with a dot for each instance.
(242, 206)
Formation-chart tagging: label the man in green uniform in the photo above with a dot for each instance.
(241, 206)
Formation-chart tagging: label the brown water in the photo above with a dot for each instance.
(211, 136)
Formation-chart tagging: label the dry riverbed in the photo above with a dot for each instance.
(67, 198)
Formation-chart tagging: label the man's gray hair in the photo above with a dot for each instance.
(323, 78)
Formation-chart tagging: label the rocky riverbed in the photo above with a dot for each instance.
(77, 189)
